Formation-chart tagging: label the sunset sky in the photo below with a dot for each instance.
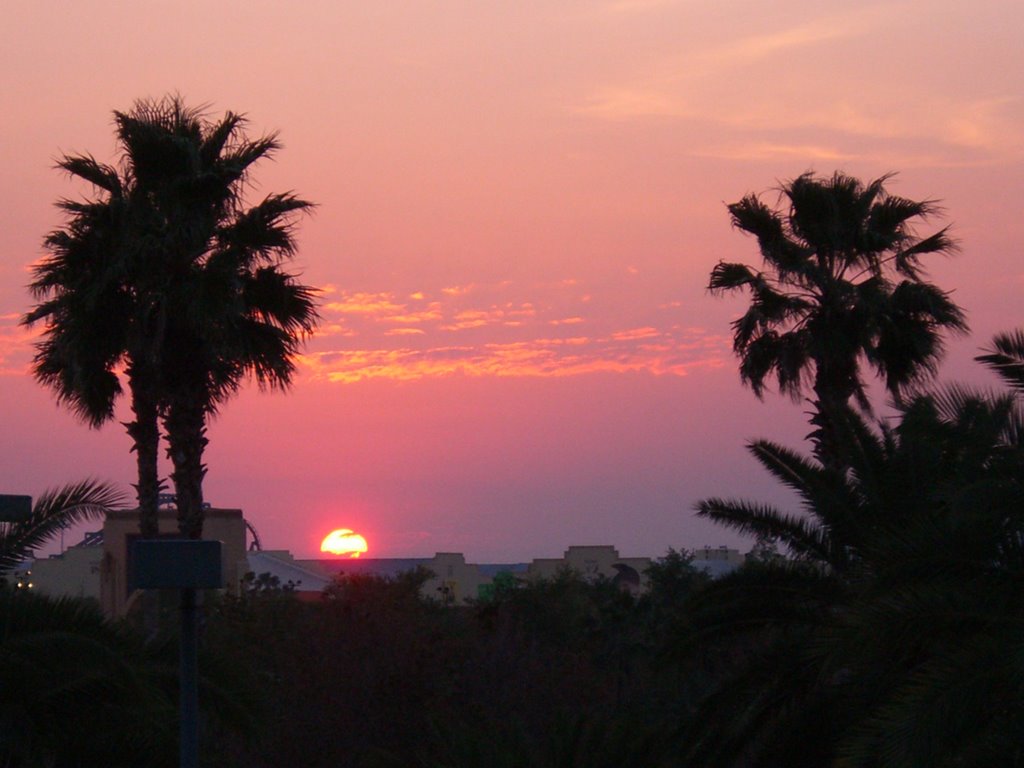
(519, 204)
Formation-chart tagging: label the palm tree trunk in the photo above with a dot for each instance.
(832, 398)
(145, 435)
(185, 424)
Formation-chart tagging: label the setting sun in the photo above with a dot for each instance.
(343, 541)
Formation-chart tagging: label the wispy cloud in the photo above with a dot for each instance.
(620, 7)
(636, 333)
(485, 331)
(675, 353)
(452, 309)
(404, 332)
(666, 88)
(621, 103)
(772, 151)
(365, 304)
(759, 97)
(811, 33)
(456, 290)
(16, 349)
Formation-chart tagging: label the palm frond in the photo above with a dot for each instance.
(52, 511)
(96, 173)
(803, 538)
(264, 232)
(1006, 358)
(274, 297)
(824, 493)
(906, 259)
(727, 277)
(218, 137)
(759, 713)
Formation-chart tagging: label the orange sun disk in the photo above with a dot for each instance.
(343, 541)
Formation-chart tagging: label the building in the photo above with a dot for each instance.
(282, 567)
(73, 573)
(595, 562)
(101, 568)
(453, 580)
(121, 531)
(718, 561)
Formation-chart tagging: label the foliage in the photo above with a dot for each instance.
(842, 284)
(265, 583)
(53, 510)
(78, 690)
(876, 641)
(167, 273)
(674, 577)
(1006, 358)
(551, 672)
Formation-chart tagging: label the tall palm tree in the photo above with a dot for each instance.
(841, 284)
(241, 315)
(167, 267)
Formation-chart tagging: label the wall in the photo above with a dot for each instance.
(121, 528)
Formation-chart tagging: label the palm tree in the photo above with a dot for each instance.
(78, 689)
(167, 267)
(842, 283)
(89, 314)
(53, 511)
(240, 315)
(881, 637)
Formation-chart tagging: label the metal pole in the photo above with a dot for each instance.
(189, 681)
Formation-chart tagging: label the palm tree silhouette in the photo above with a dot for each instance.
(168, 273)
(841, 283)
(890, 628)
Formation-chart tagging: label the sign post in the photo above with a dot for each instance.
(188, 565)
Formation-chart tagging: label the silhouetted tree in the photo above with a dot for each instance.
(878, 640)
(169, 273)
(79, 690)
(841, 284)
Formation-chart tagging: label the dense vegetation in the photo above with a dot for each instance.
(558, 672)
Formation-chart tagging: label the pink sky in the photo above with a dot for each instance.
(519, 206)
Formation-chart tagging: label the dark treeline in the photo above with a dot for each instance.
(556, 672)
